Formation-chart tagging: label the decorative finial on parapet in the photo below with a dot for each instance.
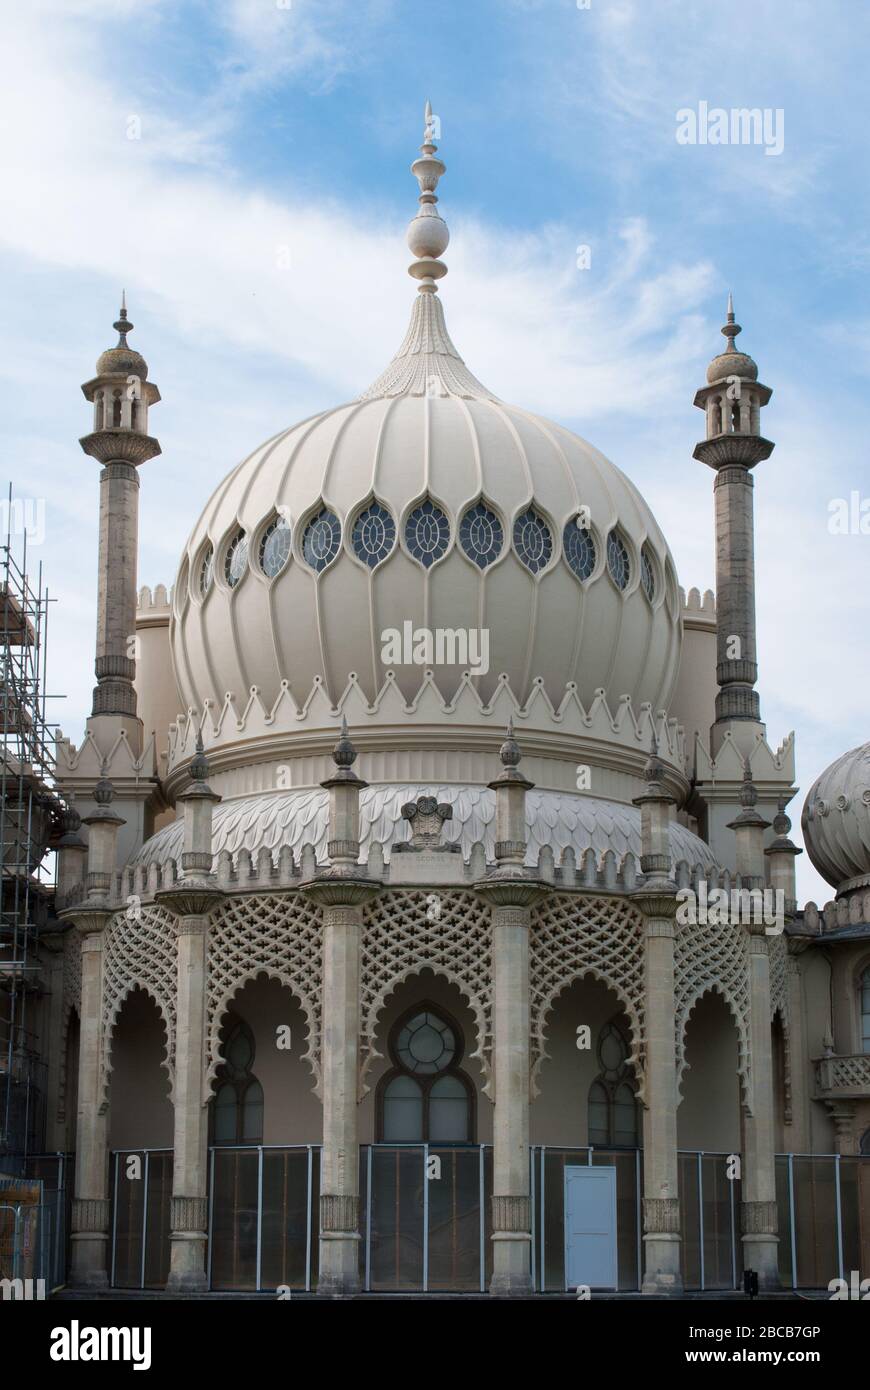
(653, 770)
(731, 328)
(781, 821)
(509, 753)
(104, 791)
(198, 769)
(748, 790)
(344, 754)
(428, 235)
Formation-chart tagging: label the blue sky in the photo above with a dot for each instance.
(266, 127)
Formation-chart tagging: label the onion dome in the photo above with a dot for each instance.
(836, 821)
(122, 360)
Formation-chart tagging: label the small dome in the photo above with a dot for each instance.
(122, 360)
(125, 361)
(732, 364)
(836, 821)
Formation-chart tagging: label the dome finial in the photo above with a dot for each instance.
(732, 328)
(121, 325)
(427, 233)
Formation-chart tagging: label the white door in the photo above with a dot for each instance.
(590, 1227)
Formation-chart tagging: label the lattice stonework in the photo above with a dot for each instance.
(414, 929)
(262, 934)
(778, 957)
(572, 937)
(139, 952)
(712, 959)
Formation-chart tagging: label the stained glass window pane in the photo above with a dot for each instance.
(236, 559)
(206, 571)
(225, 1115)
(374, 535)
(579, 548)
(481, 535)
(427, 533)
(275, 547)
(617, 560)
(448, 1111)
(624, 1116)
(532, 540)
(647, 574)
(403, 1111)
(322, 538)
(252, 1114)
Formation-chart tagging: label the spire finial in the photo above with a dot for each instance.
(122, 326)
(427, 233)
(731, 328)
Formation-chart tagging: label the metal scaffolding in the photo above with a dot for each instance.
(29, 811)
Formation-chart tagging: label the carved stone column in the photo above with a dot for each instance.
(193, 899)
(657, 900)
(759, 1223)
(341, 891)
(510, 892)
(90, 1210)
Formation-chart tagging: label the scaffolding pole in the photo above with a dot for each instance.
(30, 811)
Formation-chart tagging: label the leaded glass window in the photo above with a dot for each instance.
(374, 535)
(236, 559)
(618, 562)
(579, 548)
(647, 574)
(322, 539)
(427, 533)
(206, 571)
(426, 1098)
(238, 1103)
(532, 540)
(611, 1103)
(865, 1010)
(481, 535)
(275, 547)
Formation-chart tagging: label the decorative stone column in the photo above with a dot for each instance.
(193, 899)
(732, 401)
(90, 1208)
(759, 1222)
(656, 898)
(511, 892)
(341, 891)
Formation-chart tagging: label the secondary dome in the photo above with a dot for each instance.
(836, 821)
(426, 525)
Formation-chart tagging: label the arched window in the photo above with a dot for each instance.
(116, 410)
(864, 1009)
(238, 1102)
(612, 1104)
(426, 1098)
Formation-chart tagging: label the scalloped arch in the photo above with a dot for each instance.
(213, 1047)
(740, 1024)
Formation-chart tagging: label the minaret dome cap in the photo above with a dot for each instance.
(122, 360)
(731, 362)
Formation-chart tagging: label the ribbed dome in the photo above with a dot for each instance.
(122, 359)
(836, 821)
(447, 452)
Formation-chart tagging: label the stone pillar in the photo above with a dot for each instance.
(52, 1041)
(510, 892)
(90, 1210)
(656, 898)
(341, 890)
(733, 453)
(797, 1117)
(759, 1215)
(193, 899)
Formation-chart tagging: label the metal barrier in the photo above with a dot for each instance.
(425, 1217)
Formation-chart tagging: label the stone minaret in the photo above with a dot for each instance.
(732, 402)
(121, 395)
